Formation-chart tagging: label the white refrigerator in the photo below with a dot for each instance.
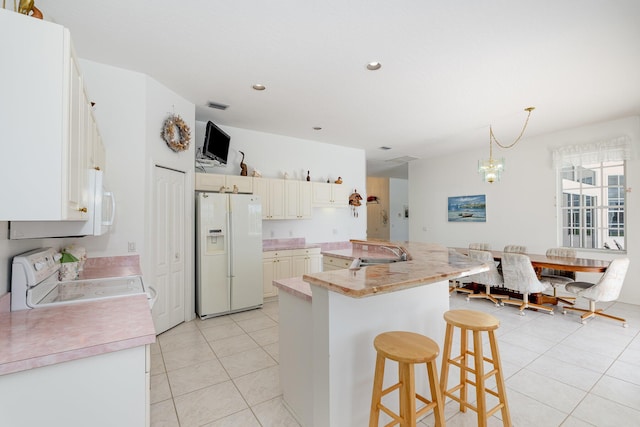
(228, 253)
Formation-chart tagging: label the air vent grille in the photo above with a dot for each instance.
(217, 106)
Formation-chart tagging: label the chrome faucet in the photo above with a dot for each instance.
(397, 251)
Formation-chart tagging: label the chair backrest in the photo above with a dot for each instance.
(491, 277)
(609, 286)
(480, 246)
(564, 253)
(516, 249)
(519, 275)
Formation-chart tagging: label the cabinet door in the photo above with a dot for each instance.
(209, 182)
(321, 194)
(304, 200)
(284, 267)
(314, 264)
(243, 183)
(276, 198)
(76, 154)
(268, 276)
(299, 265)
(261, 188)
(340, 195)
(292, 199)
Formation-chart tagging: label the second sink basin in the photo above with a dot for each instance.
(375, 261)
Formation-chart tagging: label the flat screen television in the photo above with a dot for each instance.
(216, 144)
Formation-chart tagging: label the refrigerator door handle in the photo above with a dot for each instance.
(230, 249)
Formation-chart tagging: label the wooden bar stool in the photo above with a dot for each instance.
(406, 348)
(477, 322)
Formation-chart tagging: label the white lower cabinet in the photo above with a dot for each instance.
(288, 263)
(334, 263)
(110, 389)
(306, 261)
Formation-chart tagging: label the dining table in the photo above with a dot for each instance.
(540, 261)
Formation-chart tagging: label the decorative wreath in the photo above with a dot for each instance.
(179, 142)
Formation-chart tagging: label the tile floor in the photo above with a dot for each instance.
(224, 371)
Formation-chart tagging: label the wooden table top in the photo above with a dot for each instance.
(587, 265)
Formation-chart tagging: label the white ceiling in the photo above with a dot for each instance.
(449, 68)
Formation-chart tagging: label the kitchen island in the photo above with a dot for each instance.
(327, 357)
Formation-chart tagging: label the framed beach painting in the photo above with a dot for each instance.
(467, 208)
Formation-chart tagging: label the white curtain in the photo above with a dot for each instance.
(614, 149)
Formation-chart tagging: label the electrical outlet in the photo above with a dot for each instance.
(131, 246)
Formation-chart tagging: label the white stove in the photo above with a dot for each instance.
(34, 283)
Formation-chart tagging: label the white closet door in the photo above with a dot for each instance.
(168, 246)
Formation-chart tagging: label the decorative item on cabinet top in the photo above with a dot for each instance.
(176, 133)
(26, 7)
(243, 165)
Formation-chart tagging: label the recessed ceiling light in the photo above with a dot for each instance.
(317, 128)
(259, 86)
(372, 66)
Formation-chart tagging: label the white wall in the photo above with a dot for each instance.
(521, 208)
(273, 155)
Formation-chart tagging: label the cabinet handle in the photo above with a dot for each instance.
(83, 210)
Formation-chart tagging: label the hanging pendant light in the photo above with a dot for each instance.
(491, 169)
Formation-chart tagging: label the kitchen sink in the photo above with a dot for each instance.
(377, 261)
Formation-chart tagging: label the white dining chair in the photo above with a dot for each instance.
(607, 289)
(560, 278)
(519, 275)
(487, 278)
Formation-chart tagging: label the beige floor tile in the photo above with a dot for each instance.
(208, 404)
(273, 350)
(266, 336)
(157, 364)
(221, 332)
(552, 393)
(163, 414)
(605, 413)
(213, 321)
(192, 355)
(181, 340)
(179, 329)
(197, 376)
(160, 388)
(260, 386)
(619, 391)
(246, 362)
(256, 324)
(273, 413)
(249, 314)
(239, 419)
(233, 345)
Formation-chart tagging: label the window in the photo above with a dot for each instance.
(592, 208)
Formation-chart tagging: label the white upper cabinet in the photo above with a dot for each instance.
(297, 199)
(215, 182)
(271, 192)
(330, 195)
(43, 113)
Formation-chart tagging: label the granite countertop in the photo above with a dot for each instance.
(428, 263)
(49, 335)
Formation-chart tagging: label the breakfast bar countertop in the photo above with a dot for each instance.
(428, 263)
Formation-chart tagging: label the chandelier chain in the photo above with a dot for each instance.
(492, 137)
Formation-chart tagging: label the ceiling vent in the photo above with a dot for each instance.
(217, 106)
(384, 148)
(403, 159)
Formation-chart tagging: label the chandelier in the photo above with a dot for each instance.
(491, 169)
